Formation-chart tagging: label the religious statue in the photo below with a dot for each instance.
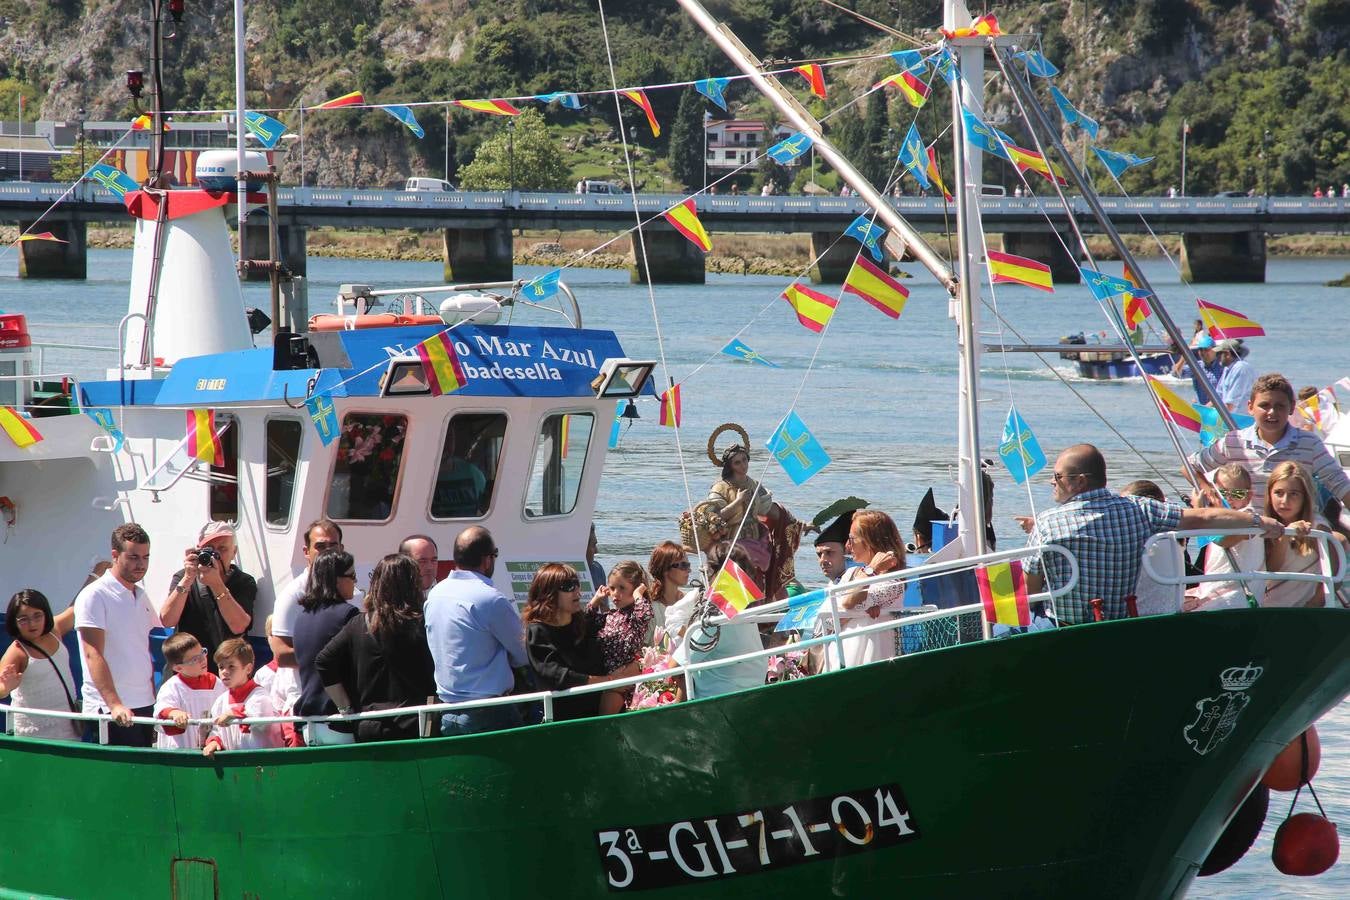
(735, 503)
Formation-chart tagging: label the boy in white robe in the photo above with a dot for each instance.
(187, 694)
(243, 700)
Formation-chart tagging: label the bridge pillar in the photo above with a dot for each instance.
(292, 246)
(1043, 247)
(478, 254)
(671, 259)
(834, 257)
(1238, 256)
(51, 259)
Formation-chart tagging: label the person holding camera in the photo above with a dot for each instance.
(211, 598)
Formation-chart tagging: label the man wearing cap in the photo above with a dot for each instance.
(830, 548)
(1210, 367)
(211, 598)
(1235, 385)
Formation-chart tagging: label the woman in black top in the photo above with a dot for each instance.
(562, 653)
(380, 660)
(324, 609)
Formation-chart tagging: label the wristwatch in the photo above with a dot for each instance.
(1256, 520)
(869, 571)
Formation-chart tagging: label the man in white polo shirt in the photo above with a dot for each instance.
(114, 616)
(321, 535)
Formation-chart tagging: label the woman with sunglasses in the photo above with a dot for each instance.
(669, 569)
(324, 610)
(564, 652)
(35, 670)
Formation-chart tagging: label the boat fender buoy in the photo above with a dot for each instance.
(331, 322)
(1287, 773)
(1306, 844)
(1240, 834)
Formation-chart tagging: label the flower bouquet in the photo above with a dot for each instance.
(788, 665)
(655, 659)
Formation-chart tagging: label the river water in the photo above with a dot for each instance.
(880, 397)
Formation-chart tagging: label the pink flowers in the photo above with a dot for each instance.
(655, 659)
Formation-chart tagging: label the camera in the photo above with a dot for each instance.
(208, 556)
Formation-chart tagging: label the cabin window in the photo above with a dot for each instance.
(223, 478)
(467, 472)
(366, 467)
(283, 455)
(555, 476)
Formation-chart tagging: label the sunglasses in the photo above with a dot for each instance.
(572, 585)
(680, 565)
(1235, 493)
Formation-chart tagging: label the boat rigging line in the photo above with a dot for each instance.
(893, 32)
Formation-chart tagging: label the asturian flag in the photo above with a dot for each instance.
(789, 148)
(912, 157)
(263, 127)
(1116, 163)
(869, 233)
(405, 115)
(714, 89)
(796, 449)
(1019, 449)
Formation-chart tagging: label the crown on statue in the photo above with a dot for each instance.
(1240, 678)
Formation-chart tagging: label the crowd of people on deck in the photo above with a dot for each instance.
(414, 638)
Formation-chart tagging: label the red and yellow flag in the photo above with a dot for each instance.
(870, 282)
(202, 441)
(1029, 159)
(19, 429)
(491, 107)
(935, 176)
(144, 122)
(1004, 268)
(355, 98)
(1174, 408)
(441, 363)
(984, 26)
(639, 96)
(1227, 323)
(684, 216)
(671, 412)
(733, 590)
(813, 308)
(911, 85)
(1134, 306)
(1003, 590)
(41, 236)
(815, 77)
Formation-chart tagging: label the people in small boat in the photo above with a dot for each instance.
(1105, 533)
(562, 646)
(1290, 498)
(324, 610)
(35, 668)
(380, 660)
(1153, 597)
(186, 694)
(1269, 441)
(422, 549)
(211, 596)
(320, 535)
(619, 617)
(476, 638)
(1231, 553)
(874, 541)
(113, 617)
(282, 684)
(1235, 384)
(1210, 368)
(242, 699)
(694, 643)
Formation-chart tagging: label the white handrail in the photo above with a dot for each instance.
(1329, 576)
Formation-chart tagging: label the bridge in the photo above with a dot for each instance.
(1223, 238)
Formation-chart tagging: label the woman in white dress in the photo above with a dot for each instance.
(35, 668)
(873, 541)
(1290, 499)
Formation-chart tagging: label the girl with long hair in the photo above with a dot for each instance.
(1291, 499)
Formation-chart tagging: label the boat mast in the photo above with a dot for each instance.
(240, 169)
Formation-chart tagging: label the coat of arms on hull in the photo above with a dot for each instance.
(1216, 717)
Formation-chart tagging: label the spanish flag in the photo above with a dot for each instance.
(684, 216)
(1004, 268)
(815, 77)
(1174, 408)
(1227, 323)
(984, 26)
(1003, 591)
(870, 282)
(1134, 305)
(733, 590)
(935, 176)
(813, 308)
(639, 96)
(19, 429)
(144, 122)
(355, 98)
(41, 236)
(911, 85)
(491, 107)
(671, 413)
(202, 441)
(441, 363)
(1029, 159)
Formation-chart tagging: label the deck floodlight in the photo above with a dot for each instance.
(405, 377)
(622, 378)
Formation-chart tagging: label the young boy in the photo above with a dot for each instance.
(188, 694)
(282, 684)
(1233, 553)
(1153, 598)
(243, 699)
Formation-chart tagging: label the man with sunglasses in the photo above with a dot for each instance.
(321, 535)
(1105, 532)
(476, 638)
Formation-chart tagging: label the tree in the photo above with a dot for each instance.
(873, 163)
(686, 141)
(68, 167)
(537, 159)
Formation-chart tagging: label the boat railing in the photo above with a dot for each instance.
(770, 612)
(1331, 561)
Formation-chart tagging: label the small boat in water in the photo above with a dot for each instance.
(1101, 362)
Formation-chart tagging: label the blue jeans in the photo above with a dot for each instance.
(485, 718)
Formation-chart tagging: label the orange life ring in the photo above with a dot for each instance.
(333, 322)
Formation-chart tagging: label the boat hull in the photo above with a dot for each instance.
(1124, 367)
(1056, 764)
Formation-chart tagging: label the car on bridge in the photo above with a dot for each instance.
(428, 184)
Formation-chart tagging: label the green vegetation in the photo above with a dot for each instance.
(523, 156)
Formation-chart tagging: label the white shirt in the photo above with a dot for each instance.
(286, 609)
(192, 697)
(255, 704)
(734, 639)
(1153, 598)
(126, 618)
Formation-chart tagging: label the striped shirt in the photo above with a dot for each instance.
(1105, 533)
(1246, 448)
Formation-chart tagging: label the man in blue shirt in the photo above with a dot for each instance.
(1210, 368)
(1235, 386)
(476, 638)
